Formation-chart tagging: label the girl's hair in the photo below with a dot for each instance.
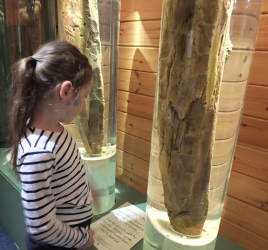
(36, 76)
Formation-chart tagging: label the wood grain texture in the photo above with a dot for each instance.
(132, 164)
(138, 58)
(246, 216)
(131, 180)
(249, 190)
(259, 69)
(194, 40)
(134, 125)
(139, 33)
(249, 8)
(244, 238)
(265, 6)
(137, 82)
(251, 161)
(256, 104)
(262, 39)
(135, 104)
(140, 10)
(254, 132)
(133, 145)
(237, 66)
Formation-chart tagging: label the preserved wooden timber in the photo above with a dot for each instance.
(193, 49)
(79, 24)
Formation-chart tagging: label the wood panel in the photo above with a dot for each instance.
(249, 190)
(140, 33)
(134, 104)
(237, 67)
(259, 69)
(133, 145)
(246, 216)
(132, 164)
(140, 10)
(253, 132)
(134, 125)
(244, 238)
(256, 104)
(131, 180)
(262, 39)
(138, 58)
(265, 6)
(248, 7)
(251, 161)
(137, 82)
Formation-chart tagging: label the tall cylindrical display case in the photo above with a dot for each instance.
(24, 25)
(4, 67)
(189, 172)
(93, 26)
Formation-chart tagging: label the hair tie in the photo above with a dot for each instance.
(32, 62)
(32, 58)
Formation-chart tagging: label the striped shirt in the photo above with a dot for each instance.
(55, 191)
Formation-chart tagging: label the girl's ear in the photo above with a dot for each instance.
(65, 90)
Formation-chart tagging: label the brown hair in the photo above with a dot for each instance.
(36, 76)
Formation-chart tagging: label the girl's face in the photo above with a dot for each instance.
(78, 103)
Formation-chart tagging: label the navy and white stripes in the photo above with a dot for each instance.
(55, 191)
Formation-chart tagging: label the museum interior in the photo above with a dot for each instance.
(176, 122)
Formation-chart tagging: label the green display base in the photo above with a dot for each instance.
(11, 215)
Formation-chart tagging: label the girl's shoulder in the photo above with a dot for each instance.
(42, 139)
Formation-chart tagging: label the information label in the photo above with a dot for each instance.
(121, 229)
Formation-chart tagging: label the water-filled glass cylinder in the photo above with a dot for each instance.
(159, 234)
(4, 67)
(24, 25)
(93, 26)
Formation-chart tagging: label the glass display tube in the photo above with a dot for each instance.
(24, 25)
(4, 68)
(159, 234)
(96, 32)
(103, 166)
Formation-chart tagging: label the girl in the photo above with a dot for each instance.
(48, 89)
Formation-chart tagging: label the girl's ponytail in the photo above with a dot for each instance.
(23, 98)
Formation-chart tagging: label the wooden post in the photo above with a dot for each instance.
(193, 50)
(79, 24)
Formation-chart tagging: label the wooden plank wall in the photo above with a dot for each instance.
(138, 60)
(245, 214)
